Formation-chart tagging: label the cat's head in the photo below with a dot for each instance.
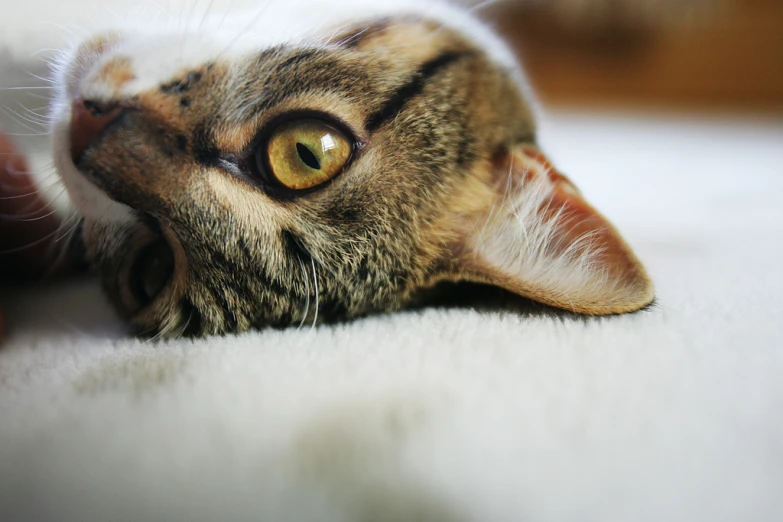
(324, 166)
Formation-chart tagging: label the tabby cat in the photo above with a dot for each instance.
(319, 160)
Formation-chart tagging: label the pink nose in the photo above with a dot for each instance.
(88, 119)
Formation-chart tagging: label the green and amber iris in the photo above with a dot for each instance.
(305, 153)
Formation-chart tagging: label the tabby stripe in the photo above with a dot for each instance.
(298, 58)
(229, 316)
(204, 147)
(413, 88)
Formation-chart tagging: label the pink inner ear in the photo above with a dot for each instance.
(577, 219)
(544, 241)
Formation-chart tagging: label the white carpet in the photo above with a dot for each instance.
(675, 413)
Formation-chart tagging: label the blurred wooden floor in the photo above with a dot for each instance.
(729, 60)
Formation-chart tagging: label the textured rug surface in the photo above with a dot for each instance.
(673, 413)
(441, 414)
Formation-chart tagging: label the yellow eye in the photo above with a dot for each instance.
(303, 154)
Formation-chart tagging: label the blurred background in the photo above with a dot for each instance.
(676, 55)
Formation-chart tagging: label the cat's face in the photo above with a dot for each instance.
(230, 186)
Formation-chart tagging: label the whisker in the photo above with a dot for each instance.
(26, 134)
(22, 120)
(68, 231)
(45, 50)
(70, 30)
(50, 81)
(189, 16)
(60, 257)
(28, 194)
(247, 28)
(35, 243)
(29, 119)
(187, 323)
(307, 294)
(73, 328)
(315, 281)
(113, 12)
(34, 110)
(160, 7)
(207, 12)
(26, 216)
(13, 173)
(164, 331)
(225, 15)
(23, 175)
(481, 5)
(27, 88)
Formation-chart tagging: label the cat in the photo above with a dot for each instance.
(318, 161)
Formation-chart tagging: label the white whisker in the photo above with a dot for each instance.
(247, 28)
(307, 292)
(60, 257)
(315, 281)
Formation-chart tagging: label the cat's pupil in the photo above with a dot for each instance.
(307, 157)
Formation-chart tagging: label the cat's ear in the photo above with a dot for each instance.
(539, 238)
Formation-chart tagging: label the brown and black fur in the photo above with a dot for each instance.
(427, 108)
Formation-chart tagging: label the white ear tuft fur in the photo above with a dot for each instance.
(542, 240)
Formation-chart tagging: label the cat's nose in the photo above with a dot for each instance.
(88, 119)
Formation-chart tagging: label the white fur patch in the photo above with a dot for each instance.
(522, 243)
